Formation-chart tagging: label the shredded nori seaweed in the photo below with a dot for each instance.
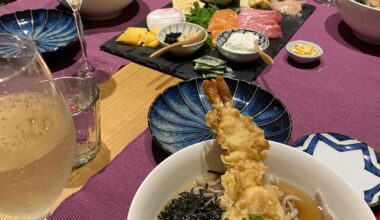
(172, 37)
(193, 206)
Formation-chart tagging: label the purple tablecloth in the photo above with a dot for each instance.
(339, 94)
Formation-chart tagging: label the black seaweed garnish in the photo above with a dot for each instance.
(172, 37)
(192, 205)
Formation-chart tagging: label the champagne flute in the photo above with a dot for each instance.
(37, 136)
(87, 70)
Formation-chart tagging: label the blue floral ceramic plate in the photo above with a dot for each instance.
(50, 29)
(176, 118)
(354, 160)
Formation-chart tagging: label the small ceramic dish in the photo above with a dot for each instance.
(50, 29)
(184, 28)
(303, 58)
(355, 161)
(176, 117)
(284, 162)
(222, 38)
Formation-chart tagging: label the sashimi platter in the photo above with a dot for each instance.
(203, 38)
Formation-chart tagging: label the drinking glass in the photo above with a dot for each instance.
(37, 136)
(82, 97)
(87, 70)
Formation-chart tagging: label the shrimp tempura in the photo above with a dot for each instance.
(244, 147)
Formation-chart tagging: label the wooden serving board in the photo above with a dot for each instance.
(182, 67)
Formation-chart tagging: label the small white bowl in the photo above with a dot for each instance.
(302, 58)
(185, 28)
(284, 162)
(222, 38)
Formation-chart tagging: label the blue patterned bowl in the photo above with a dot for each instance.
(176, 118)
(49, 29)
(222, 38)
(355, 161)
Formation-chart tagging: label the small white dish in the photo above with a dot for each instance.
(233, 56)
(184, 28)
(283, 161)
(355, 161)
(302, 58)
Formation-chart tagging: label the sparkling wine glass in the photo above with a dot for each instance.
(87, 70)
(37, 137)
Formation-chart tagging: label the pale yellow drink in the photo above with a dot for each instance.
(74, 3)
(37, 146)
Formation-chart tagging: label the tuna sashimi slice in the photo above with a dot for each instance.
(252, 12)
(255, 21)
(271, 31)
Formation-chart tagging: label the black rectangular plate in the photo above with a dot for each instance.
(182, 67)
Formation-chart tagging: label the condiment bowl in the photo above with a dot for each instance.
(303, 58)
(222, 38)
(184, 28)
(289, 164)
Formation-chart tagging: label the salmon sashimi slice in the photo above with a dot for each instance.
(222, 20)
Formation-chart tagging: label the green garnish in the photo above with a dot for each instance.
(257, 216)
(201, 16)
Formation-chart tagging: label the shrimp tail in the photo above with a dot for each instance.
(218, 92)
(224, 92)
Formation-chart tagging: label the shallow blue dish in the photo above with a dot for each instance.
(176, 118)
(50, 29)
(354, 160)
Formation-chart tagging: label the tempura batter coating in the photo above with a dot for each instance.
(244, 148)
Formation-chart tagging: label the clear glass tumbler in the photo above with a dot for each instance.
(82, 98)
(37, 137)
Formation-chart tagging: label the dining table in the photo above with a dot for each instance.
(338, 93)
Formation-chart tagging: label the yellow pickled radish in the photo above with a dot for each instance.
(148, 38)
(130, 38)
(153, 44)
(136, 30)
(305, 49)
